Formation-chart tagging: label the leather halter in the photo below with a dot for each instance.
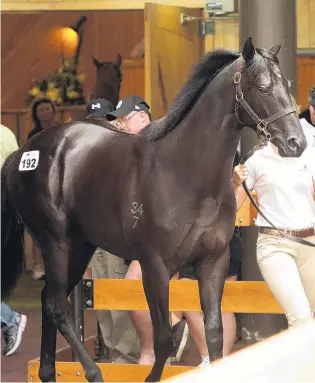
(261, 124)
(261, 130)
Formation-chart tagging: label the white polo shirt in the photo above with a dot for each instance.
(284, 187)
(309, 131)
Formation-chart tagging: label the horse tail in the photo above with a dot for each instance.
(12, 236)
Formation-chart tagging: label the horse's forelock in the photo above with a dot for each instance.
(263, 61)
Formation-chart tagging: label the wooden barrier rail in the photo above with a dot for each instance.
(122, 294)
(285, 357)
(112, 294)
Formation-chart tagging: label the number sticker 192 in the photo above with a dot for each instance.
(29, 160)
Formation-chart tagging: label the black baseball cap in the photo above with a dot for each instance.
(128, 105)
(99, 108)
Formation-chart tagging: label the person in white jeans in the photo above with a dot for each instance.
(285, 189)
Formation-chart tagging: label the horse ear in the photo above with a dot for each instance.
(118, 60)
(96, 62)
(276, 49)
(248, 50)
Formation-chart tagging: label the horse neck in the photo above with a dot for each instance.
(202, 147)
(108, 91)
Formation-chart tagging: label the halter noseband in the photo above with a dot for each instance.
(261, 124)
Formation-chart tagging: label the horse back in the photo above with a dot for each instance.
(86, 173)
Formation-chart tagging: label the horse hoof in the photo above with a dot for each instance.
(47, 374)
(149, 378)
(94, 375)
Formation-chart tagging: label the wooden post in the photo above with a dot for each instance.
(268, 22)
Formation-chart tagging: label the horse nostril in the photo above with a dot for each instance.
(293, 142)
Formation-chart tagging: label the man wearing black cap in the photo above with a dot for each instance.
(98, 108)
(131, 114)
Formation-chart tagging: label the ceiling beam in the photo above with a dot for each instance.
(87, 5)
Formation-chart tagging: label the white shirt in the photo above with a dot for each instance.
(309, 131)
(284, 187)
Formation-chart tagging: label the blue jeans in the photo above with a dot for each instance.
(8, 316)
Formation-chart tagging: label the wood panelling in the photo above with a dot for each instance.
(20, 121)
(171, 50)
(133, 78)
(77, 5)
(28, 52)
(227, 31)
(226, 35)
(305, 78)
(305, 24)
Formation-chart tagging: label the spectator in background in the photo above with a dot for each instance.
(44, 117)
(12, 323)
(98, 108)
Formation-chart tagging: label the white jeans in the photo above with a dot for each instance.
(289, 270)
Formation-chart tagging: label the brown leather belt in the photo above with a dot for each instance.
(303, 233)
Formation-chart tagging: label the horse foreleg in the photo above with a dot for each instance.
(47, 370)
(156, 287)
(211, 284)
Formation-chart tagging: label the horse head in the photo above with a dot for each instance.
(108, 79)
(264, 100)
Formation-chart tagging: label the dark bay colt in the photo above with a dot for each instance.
(163, 197)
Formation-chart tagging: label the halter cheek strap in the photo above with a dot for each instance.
(261, 124)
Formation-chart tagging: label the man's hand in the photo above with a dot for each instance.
(240, 174)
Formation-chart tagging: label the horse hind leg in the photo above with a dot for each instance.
(57, 308)
(156, 286)
(79, 258)
(47, 369)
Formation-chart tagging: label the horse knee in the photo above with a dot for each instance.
(47, 374)
(55, 312)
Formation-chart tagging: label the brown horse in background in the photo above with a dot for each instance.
(108, 79)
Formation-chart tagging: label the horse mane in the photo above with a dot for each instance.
(208, 68)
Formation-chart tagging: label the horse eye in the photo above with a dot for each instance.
(263, 89)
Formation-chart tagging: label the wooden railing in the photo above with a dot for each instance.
(112, 294)
(123, 294)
